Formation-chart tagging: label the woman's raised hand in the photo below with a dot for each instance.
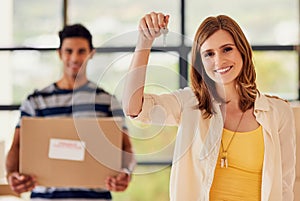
(151, 24)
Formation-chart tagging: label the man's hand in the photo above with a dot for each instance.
(21, 183)
(118, 183)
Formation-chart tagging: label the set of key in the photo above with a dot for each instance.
(164, 31)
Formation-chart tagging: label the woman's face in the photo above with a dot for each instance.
(221, 59)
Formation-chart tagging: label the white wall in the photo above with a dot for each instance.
(2, 159)
(6, 34)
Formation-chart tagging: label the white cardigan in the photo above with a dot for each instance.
(198, 143)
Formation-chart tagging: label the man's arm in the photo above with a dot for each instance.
(121, 181)
(128, 155)
(18, 182)
(12, 160)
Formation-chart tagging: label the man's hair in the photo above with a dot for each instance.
(75, 30)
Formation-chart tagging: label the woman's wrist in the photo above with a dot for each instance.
(143, 43)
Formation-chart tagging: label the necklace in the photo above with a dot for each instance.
(224, 159)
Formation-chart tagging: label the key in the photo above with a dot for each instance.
(164, 31)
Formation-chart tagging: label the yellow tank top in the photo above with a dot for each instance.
(242, 179)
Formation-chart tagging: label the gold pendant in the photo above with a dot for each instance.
(224, 161)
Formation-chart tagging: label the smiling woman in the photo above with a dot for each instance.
(219, 118)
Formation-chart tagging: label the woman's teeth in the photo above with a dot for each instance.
(223, 70)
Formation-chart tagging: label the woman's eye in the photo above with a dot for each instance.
(208, 54)
(227, 49)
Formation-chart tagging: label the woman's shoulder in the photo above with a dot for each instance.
(276, 98)
(185, 94)
(187, 97)
(274, 102)
(187, 91)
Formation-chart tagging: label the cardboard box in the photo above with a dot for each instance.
(297, 190)
(70, 152)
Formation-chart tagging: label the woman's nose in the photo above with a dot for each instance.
(219, 60)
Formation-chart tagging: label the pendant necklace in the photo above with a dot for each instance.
(224, 159)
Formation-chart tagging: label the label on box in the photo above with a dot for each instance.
(66, 149)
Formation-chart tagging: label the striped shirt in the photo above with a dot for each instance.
(86, 101)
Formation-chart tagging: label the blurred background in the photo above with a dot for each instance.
(28, 61)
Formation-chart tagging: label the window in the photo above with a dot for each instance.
(36, 23)
(115, 23)
(29, 60)
(264, 22)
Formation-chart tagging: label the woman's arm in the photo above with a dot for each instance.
(149, 29)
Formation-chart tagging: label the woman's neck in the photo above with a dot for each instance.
(228, 93)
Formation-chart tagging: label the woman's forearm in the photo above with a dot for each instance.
(135, 81)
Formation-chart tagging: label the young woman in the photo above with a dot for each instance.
(233, 142)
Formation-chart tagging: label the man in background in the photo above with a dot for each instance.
(57, 100)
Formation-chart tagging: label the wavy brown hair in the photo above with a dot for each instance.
(204, 87)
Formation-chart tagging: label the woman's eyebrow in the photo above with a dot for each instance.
(227, 44)
(222, 46)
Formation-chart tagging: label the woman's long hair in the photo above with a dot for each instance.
(204, 87)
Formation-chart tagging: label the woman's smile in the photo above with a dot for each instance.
(223, 70)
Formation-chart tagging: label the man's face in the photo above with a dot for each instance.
(74, 53)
